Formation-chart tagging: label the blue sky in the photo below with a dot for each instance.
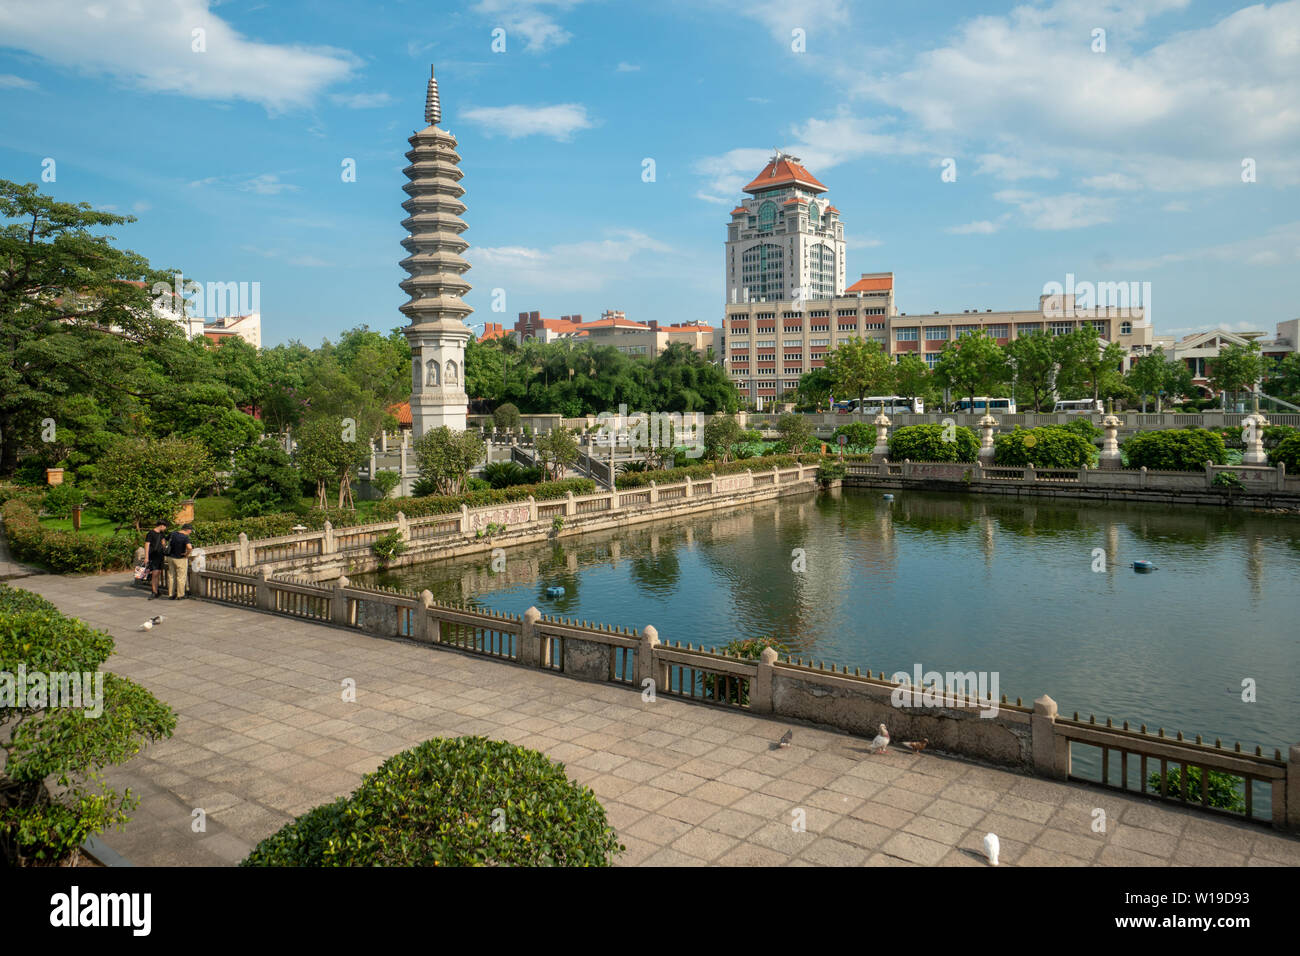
(1115, 165)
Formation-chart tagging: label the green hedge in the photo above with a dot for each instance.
(32, 495)
(667, 476)
(463, 802)
(1287, 452)
(926, 443)
(1175, 449)
(64, 552)
(1050, 446)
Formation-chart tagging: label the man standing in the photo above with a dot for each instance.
(154, 552)
(178, 563)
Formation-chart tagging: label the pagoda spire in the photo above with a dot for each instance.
(432, 108)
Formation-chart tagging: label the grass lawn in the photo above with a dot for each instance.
(92, 522)
(205, 509)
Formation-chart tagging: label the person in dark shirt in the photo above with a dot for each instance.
(155, 549)
(178, 561)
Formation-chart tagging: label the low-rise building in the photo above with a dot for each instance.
(247, 327)
(613, 328)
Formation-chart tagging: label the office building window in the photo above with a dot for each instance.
(936, 333)
(997, 331)
(906, 335)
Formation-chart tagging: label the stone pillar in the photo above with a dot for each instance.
(1292, 788)
(686, 493)
(882, 437)
(570, 506)
(383, 442)
(987, 424)
(646, 665)
(327, 543)
(654, 492)
(776, 475)
(372, 460)
(265, 597)
(1051, 755)
(532, 508)
(1110, 445)
(402, 466)
(760, 692)
(1252, 431)
(243, 557)
(530, 642)
(403, 527)
(339, 603)
(464, 519)
(421, 625)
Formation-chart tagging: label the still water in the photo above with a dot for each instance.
(957, 584)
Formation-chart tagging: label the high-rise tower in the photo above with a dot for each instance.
(785, 241)
(437, 330)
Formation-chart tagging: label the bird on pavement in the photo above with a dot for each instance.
(916, 746)
(992, 847)
(786, 738)
(880, 744)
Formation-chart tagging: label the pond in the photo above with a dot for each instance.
(1039, 592)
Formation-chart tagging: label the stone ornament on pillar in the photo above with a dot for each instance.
(645, 657)
(882, 424)
(1252, 432)
(1110, 457)
(987, 424)
(530, 642)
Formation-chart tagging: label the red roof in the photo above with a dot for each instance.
(796, 199)
(738, 210)
(871, 285)
(782, 172)
(402, 412)
(832, 209)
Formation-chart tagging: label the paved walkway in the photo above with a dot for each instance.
(263, 735)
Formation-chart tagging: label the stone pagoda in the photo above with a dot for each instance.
(436, 312)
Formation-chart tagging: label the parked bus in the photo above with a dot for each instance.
(1079, 406)
(890, 404)
(985, 405)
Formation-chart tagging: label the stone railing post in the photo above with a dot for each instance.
(1110, 457)
(327, 543)
(530, 642)
(760, 692)
(243, 558)
(987, 424)
(713, 483)
(1280, 470)
(339, 603)
(532, 508)
(265, 597)
(1292, 789)
(654, 492)
(371, 473)
(403, 527)
(570, 506)
(383, 442)
(402, 466)
(686, 492)
(464, 519)
(647, 667)
(1051, 753)
(1143, 473)
(882, 424)
(776, 475)
(420, 626)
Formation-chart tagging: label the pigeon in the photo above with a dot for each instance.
(786, 738)
(146, 626)
(916, 746)
(880, 744)
(158, 619)
(992, 847)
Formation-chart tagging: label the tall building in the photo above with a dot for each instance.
(786, 240)
(437, 330)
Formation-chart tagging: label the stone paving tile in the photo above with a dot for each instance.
(263, 736)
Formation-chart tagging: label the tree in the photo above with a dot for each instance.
(860, 367)
(1284, 376)
(911, 377)
(556, 451)
(506, 416)
(65, 744)
(815, 388)
(141, 480)
(264, 480)
(720, 434)
(1034, 357)
(445, 458)
(971, 365)
(385, 481)
(795, 432)
(70, 322)
(1098, 361)
(1236, 369)
(1157, 375)
(328, 451)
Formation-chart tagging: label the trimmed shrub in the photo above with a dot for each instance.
(1287, 452)
(859, 434)
(1175, 449)
(926, 443)
(61, 499)
(642, 479)
(31, 495)
(503, 474)
(70, 743)
(506, 416)
(463, 802)
(1053, 446)
(1083, 428)
(64, 552)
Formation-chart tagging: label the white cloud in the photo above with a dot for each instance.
(1260, 250)
(141, 206)
(627, 68)
(1112, 181)
(862, 242)
(361, 101)
(148, 44)
(10, 82)
(568, 267)
(1011, 167)
(266, 184)
(981, 227)
(1065, 211)
(532, 20)
(1177, 206)
(559, 122)
(819, 19)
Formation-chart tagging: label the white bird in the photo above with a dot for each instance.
(992, 847)
(880, 744)
(147, 626)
